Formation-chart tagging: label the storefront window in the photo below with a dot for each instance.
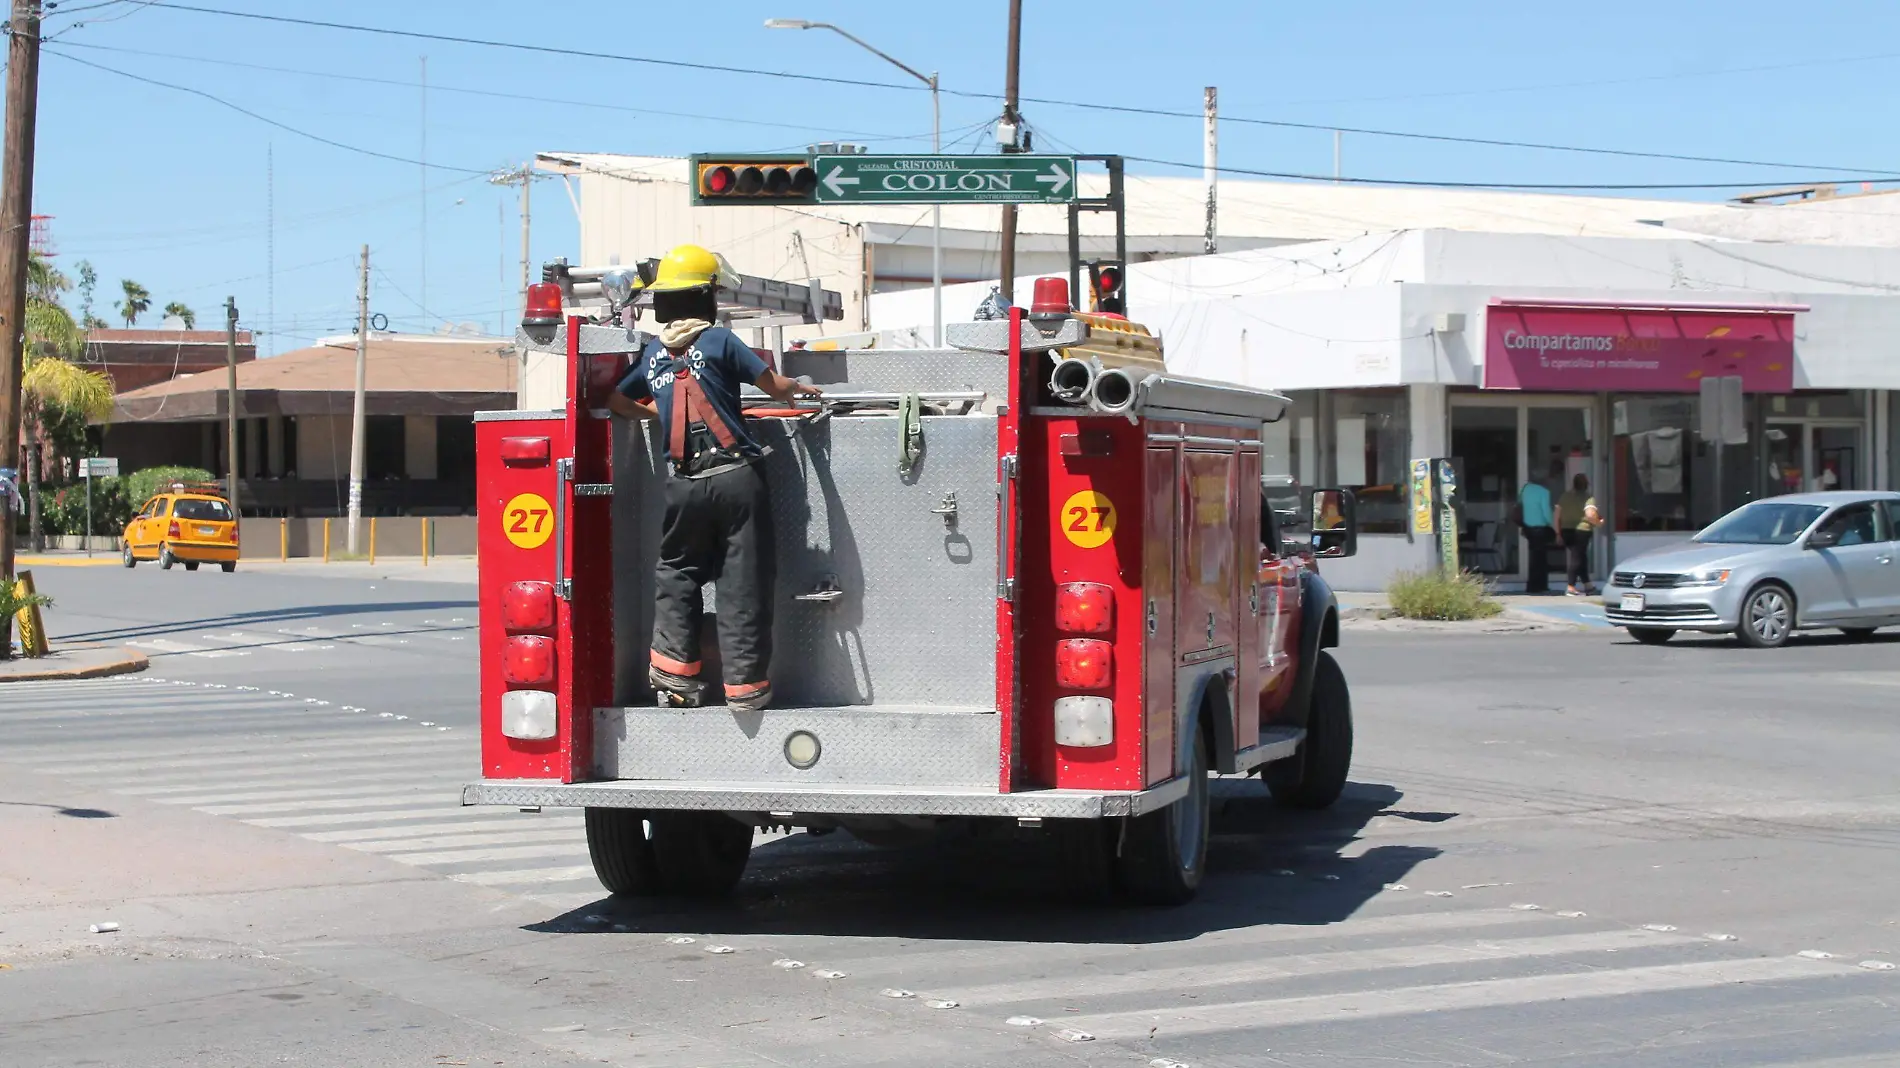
(1292, 444)
(1372, 434)
(1666, 474)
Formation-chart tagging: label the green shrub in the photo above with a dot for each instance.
(1436, 595)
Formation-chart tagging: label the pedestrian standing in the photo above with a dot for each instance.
(1576, 516)
(1534, 516)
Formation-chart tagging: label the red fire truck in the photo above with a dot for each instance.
(1031, 584)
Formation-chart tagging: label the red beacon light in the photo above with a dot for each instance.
(1051, 298)
(544, 305)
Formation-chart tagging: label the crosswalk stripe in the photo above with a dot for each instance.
(1253, 970)
(307, 775)
(272, 752)
(346, 819)
(448, 801)
(335, 790)
(526, 876)
(471, 856)
(1448, 997)
(475, 820)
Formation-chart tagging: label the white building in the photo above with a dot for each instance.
(1399, 320)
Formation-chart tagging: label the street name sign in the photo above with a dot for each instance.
(1013, 179)
(100, 467)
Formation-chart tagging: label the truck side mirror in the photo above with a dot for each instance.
(1335, 523)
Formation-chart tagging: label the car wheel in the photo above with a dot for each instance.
(1164, 853)
(165, 557)
(228, 566)
(1767, 617)
(1858, 634)
(126, 557)
(191, 565)
(1314, 777)
(1652, 635)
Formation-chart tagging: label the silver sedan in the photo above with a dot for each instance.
(1767, 569)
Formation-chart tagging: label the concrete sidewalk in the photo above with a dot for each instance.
(74, 661)
(1522, 613)
(438, 569)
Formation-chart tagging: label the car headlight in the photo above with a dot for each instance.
(1705, 578)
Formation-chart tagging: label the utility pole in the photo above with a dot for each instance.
(1338, 137)
(424, 302)
(356, 416)
(522, 176)
(231, 403)
(16, 208)
(1012, 123)
(1210, 164)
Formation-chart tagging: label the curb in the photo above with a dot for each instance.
(128, 662)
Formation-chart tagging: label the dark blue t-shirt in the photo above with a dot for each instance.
(719, 361)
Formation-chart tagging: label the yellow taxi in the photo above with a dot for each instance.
(191, 525)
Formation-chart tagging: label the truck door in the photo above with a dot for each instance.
(1256, 602)
(1159, 570)
(1208, 578)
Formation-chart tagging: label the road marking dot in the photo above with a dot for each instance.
(1877, 965)
(1663, 927)
(1024, 1021)
(827, 973)
(1816, 954)
(894, 992)
(788, 963)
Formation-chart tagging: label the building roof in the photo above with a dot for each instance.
(1247, 209)
(110, 336)
(404, 376)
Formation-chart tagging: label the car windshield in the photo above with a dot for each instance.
(1766, 523)
(204, 511)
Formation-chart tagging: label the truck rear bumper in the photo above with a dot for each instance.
(822, 799)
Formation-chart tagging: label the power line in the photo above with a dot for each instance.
(1432, 184)
(517, 46)
(240, 109)
(969, 94)
(491, 93)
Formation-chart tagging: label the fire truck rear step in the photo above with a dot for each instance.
(809, 798)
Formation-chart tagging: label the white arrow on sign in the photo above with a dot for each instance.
(835, 181)
(1057, 179)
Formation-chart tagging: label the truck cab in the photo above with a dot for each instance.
(1032, 584)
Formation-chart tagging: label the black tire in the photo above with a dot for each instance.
(126, 557)
(1652, 635)
(1314, 777)
(1164, 853)
(1858, 634)
(165, 557)
(699, 854)
(228, 566)
(1768, 617)
(622, 854)
(191, 565)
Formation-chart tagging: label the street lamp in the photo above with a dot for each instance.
(936, 145)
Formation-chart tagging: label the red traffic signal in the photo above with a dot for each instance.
(753, 180)
(1105, 288)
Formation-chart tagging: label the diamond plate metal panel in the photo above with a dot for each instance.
(874, 800)
(903, 370)
(916, 623)
(857, 745)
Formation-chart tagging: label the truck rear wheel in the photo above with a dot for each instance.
(617, 843)
(1165, 853)
(699, 854)
(1314, 777)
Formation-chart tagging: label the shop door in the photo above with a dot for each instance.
(1484, 452)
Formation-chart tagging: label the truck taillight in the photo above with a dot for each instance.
(527, 606)
(528, 715)
(528, 660)
(1085, 608)
(544, 305)
(1084, 664)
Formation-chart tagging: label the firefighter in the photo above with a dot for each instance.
(718, 524)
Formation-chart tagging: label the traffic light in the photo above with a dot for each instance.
(753, 180)
(1105, 288)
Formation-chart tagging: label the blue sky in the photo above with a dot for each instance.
(169, 188)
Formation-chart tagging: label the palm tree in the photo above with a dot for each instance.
(52, 381)
(137, 299)
(178, 309)
(43, 280)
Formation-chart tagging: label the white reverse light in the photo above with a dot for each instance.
(1085, 722)
(528, 715)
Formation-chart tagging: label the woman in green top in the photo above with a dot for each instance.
(1576, 518)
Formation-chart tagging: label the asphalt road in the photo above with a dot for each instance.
(1559, 849)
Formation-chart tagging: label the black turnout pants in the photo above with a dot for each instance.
(718, 528)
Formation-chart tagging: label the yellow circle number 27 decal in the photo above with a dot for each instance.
(528, 520)
(1088, 519)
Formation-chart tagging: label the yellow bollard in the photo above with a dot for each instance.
(32, 626)
(425, 541)
(283, 540)
(326, 541)
(372, 539)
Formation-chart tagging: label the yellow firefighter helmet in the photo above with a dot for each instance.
(689, 267)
